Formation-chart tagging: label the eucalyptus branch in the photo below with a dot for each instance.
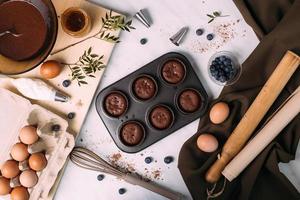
(109, 23)
(86, 66)
(215, 15)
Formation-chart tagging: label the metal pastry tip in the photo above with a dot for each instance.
(141, 16)
(177, 38)
(61, 97)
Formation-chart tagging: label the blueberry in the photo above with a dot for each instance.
(228, 60)
(55, 127)
(143, 41)
(100, 177)
(214, 74)
(214, 62)
(168, 159)
(227, 69)
(222, 79)
(148, 160)
(230, 66)
(66, 83)
(221, 73)
(199, 31)
(217, 59)
(222, 58)
(122, 191)
(71, 115)
(210, 36)
(213, 68)
(222, 66)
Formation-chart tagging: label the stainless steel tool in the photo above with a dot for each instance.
(11, 32)
(87, 159)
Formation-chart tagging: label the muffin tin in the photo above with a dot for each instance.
(156, 91)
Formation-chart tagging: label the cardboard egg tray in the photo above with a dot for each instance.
(17, 112)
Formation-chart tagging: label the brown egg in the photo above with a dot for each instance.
(28, 135)
(50, 69)
(219, 113)
(19, 152)
(207, 143)
(19, 193)
(10, 169)
(28, 178)
(4, 186)
(37, 161)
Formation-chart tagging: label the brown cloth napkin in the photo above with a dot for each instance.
(277, 24)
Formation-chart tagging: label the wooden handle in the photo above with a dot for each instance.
(153, 187)
(266, 97)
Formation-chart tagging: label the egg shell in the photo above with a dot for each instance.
(28, 135)
(4, 186)
(19, 152)
(207, 143)
(50, 69)
(19, 193)
(28, 178)
(10, 169)
(37, 161)
(219, 113)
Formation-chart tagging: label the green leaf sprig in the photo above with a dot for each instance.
(215, 15)
(86, 66)
(113, 23)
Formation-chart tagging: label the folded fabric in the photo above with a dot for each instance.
(277, 24)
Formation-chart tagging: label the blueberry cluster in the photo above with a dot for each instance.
(222, 69)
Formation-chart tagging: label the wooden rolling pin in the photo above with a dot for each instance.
(276, 123)
(268, 94)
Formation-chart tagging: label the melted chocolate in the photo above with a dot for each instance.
(75, 21)
(23, 18)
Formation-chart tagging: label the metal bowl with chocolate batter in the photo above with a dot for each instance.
(31, 31)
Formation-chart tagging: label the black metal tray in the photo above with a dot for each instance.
(138, 110)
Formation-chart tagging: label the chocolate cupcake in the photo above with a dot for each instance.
(115, 104)
(132, 133)
(144, 87)
(161, 117)
(173, 71)
(189, 101)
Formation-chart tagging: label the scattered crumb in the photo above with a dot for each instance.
(115, 157)
(115, 160)
(79, 103)
(156, 174)
(224, 33)
(118, 161)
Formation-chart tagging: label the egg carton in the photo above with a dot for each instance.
(17, 112)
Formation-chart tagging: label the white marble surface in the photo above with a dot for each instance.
(168, 16)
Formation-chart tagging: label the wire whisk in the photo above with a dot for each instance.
(87, 159)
